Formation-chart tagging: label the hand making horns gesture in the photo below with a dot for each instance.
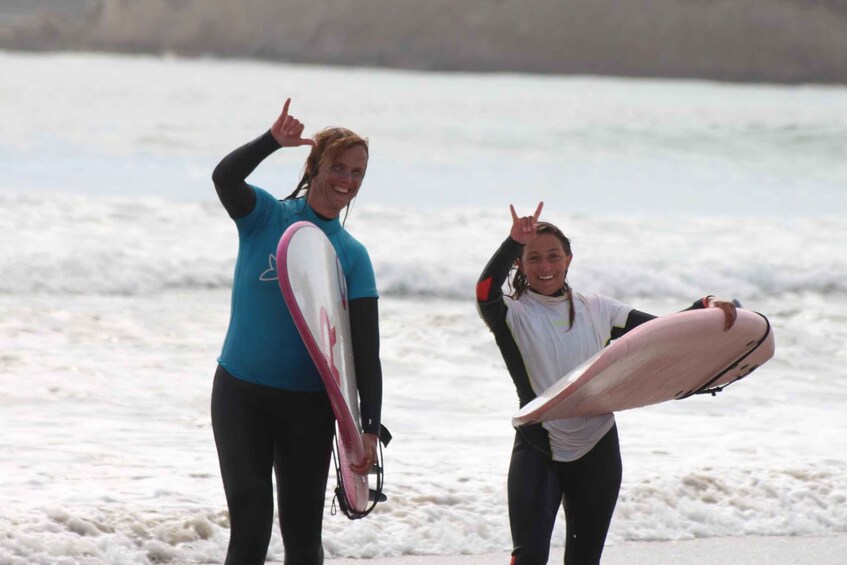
(523, 229)
(287, 130)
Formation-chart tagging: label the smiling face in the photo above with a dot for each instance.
(338, 180)
(545, 264)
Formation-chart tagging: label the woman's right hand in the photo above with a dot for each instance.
(287, 130)
(523, 229)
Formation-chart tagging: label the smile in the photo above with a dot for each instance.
(341, 190)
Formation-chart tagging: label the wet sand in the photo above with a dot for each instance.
(752, 550)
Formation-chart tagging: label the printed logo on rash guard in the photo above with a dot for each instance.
(562, 323)
(270, 274)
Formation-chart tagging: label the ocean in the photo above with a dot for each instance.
(117, 261)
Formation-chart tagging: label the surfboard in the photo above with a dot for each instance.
(315, 290)
(670, 357)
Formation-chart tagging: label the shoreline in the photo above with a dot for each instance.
(773, 550)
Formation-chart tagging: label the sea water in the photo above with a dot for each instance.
(116, 265)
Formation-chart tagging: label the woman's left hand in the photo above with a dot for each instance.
(729, 310)
(369, 442)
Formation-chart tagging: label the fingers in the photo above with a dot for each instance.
(730, 313)
(292, 128)
(288, 130)
(524, 228)
(729, 310)
(369, 443)
(367, 464)
(537, 211)
(534, 216)
(364, 468)
(289, 125)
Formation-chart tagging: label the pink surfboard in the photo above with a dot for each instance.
(671, 357)
(315, 290)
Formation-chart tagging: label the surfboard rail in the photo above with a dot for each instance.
(743, 370)
(314, 289)
(670, 357)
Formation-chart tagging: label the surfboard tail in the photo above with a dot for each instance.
(357, 504)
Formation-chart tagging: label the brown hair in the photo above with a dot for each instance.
(330, 142)
(519, 284)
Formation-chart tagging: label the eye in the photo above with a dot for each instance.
(336, 168)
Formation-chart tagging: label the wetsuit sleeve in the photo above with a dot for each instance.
(636, 318)
(489, 289)
(364, 329)
(492, 309)
(238, 197)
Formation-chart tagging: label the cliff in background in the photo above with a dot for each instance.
(735, 40)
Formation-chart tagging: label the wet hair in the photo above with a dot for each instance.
(519, 284)
(330, 143)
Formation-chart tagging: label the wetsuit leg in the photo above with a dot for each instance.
(534, 499)
(303, 451)
(591, 486)
(245, 451)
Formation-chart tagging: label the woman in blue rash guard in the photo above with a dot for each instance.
(270, 410)
(544, 330)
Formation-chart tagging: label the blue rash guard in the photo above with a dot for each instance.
(262, 344)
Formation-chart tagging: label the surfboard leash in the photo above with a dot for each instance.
(715, 390)
(375, 495)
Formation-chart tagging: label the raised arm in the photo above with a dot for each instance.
(489, 287)
(492, 308)
(231, 173)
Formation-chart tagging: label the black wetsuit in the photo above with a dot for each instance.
(259, 428)
(537, 485)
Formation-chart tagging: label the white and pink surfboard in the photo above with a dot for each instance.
(315, 290)
(671, 357)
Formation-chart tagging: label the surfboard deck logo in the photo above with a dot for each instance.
(315, 291)
(670, 357)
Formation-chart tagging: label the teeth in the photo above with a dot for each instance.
(341, 190)
(546, 278)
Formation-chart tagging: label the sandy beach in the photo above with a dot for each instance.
(778, 550)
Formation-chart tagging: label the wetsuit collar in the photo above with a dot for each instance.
(328, 225)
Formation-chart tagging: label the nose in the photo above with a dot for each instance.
(344, 176)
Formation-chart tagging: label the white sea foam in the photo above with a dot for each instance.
(69, 244)
(117, 260)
